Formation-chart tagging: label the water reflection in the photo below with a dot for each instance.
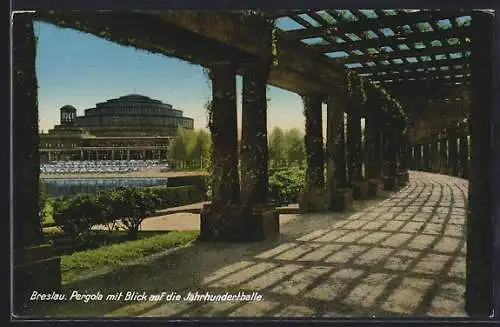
(68, 186)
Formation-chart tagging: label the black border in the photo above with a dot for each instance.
(283, 4)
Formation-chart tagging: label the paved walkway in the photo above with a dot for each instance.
(404, 255)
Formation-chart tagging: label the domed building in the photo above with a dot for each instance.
(129, 127)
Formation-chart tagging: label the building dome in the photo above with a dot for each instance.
(134, 97)
(68, 115)
(68, 108)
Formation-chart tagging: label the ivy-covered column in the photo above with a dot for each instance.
(341, 154)
(254, 152)
(262, 221)
(354, 143)
(339, 196)
(452, 150)
(391, 142)
(480, 225)
(416, 156)
(35, 265)
(434, 154)
(411, 155)
(463, 156)
(313, 197)
(219, 220)
(373, 143)
(403, 158)
(443, 146)
(354, 157)
(426, 155)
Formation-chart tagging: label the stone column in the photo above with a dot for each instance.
(463, 160)
(339, 196)
(426, 155)
(434, 154)
(416, 156)
(443, 153)
(112, 154)
(254, 152)
(403, 158)
(313, 198)
(254, 155)
(480, 226)
(354, 157)
(452, 150)
(35, 265)
(391, 142)
(373, 144)
(128, 154)
(411, 155)
(221, 220)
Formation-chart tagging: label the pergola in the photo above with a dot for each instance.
(421, 57)
(421, 79)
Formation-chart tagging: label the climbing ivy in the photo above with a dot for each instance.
(356, 87)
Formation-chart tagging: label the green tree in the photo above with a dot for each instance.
(277, 146)
(295, 147)
(178, 147)
(190, 146)
(204, 145)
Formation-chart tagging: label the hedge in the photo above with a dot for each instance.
(77, 214)
(285, 185)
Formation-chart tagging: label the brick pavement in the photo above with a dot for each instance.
(402, 256)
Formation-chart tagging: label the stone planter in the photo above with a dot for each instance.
(403, 178)
(390, 183)
(255, 223)
(314, 200)
(374, 187)
(341, 200)
(360, 190)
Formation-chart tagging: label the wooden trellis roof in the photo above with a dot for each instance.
(404, 51)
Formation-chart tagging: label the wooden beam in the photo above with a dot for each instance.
(392, 41)
(185, 35)
(247, 35)
(397, 53)
(421, 93)
(414, 66)
(406, 86)
(413, 73)
(417, 88)
(141, 31)
(366, 24)
(429, 80)
(286, 12)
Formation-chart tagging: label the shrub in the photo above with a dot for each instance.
(178, 196)
(132, 205)
(76, 215)
(285, 185)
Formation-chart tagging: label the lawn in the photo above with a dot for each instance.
(110, 257)
(82, 263)
(47, 212)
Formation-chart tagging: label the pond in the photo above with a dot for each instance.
(68, 186)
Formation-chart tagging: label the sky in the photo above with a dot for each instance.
(81, 70)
